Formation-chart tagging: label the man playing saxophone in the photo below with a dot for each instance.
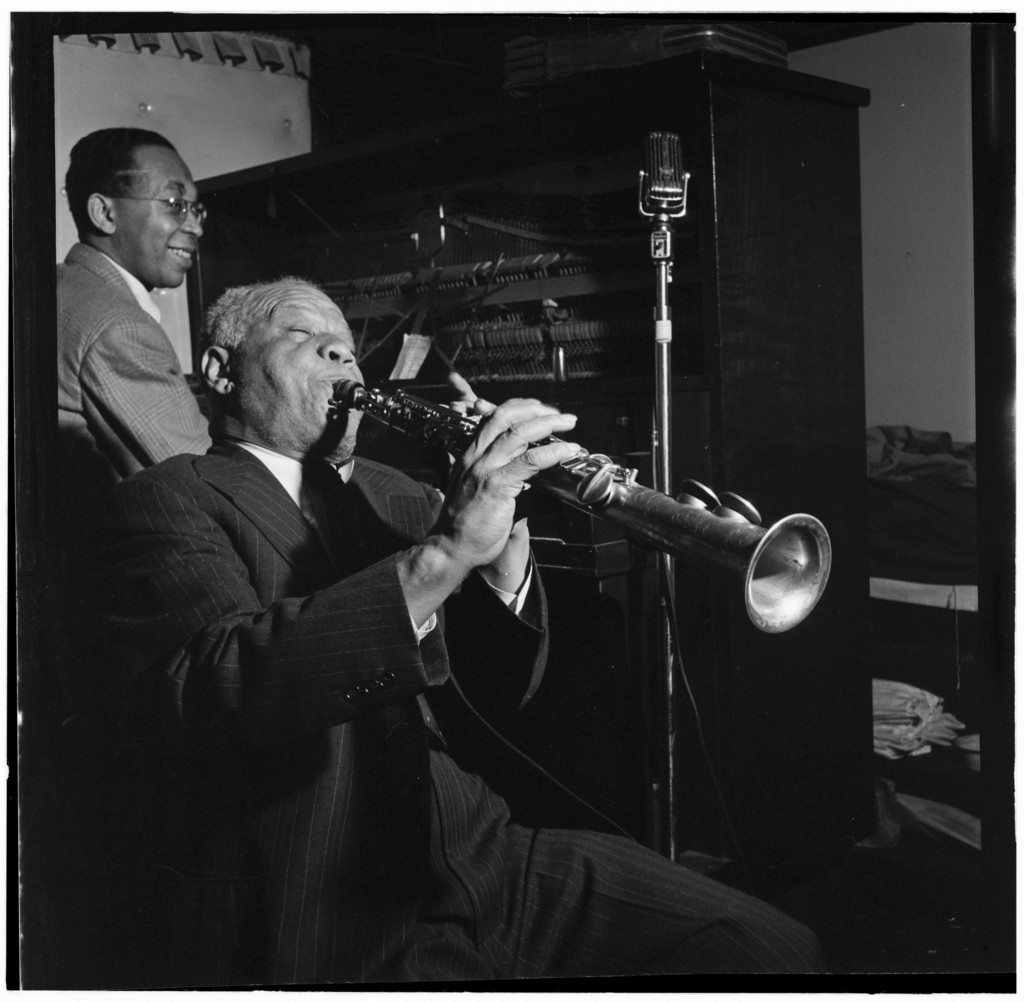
(283, 801)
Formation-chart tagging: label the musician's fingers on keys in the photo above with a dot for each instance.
(516, 426)
(461, 386)
(468, 403)
(543, 457)
(518, 423)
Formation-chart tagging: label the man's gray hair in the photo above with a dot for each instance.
(234, 313)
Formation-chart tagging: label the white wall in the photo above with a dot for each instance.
(917, 220)
(221, 117)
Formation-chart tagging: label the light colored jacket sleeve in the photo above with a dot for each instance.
(132, 384)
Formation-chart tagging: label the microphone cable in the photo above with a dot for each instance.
(512, 747)
(677, 663)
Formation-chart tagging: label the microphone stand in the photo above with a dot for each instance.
(667, 202)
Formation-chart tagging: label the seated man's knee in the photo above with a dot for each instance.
(762, 941)
(782, 944)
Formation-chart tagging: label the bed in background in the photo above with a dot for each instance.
(922, 550)
(922, 518)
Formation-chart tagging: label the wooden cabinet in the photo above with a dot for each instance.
(544, 267)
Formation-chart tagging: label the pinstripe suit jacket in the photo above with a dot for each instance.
(120, 389)
(270, 750)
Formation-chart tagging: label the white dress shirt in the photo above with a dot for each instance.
(142, 297)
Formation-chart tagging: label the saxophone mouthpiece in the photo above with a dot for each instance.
(348, 393)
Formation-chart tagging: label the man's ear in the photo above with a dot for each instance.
(100, 210)
(216, 369)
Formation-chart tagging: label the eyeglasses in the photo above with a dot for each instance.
(179, 208)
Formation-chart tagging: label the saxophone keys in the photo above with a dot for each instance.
(595, 489)
(696, 495)
(737, 509)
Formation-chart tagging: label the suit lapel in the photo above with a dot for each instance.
(256, 493)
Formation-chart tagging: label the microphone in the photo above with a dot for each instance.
(663, 182)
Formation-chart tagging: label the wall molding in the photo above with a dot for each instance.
(256, 53)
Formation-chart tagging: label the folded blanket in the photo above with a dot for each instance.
(909, 720)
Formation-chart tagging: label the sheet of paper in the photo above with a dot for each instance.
(415, 348)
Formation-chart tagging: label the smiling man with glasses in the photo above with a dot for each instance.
(123, 402)
(123, 405)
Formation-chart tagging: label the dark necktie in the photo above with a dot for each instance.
(336, 509)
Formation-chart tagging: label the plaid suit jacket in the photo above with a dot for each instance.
(120, 389)
(271, 760)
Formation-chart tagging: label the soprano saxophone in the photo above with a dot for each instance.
(784, 568)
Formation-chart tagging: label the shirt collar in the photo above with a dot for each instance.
(142, 297)
(288, 471)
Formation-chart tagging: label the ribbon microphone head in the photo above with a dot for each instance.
(663, 181)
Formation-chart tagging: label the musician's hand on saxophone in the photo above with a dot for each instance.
(511, 446)
(506, 573)
(467, 402)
